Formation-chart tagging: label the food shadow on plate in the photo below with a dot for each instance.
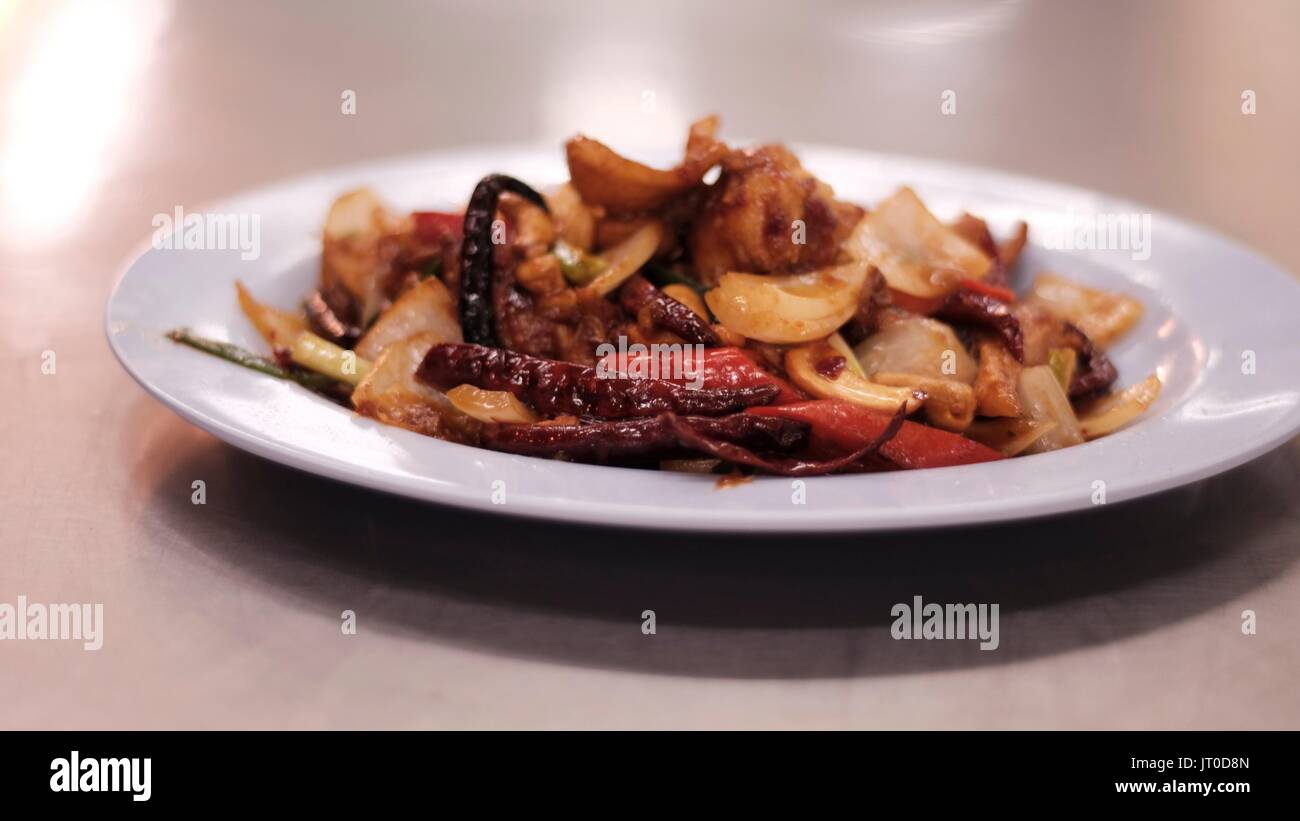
(725, 606)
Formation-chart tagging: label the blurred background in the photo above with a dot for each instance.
(111, 112)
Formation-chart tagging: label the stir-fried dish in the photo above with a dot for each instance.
(726, 314)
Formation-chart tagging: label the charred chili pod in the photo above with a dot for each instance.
(562, 388)
(1095, 371)
(863, 458)
(326, 323)
(476, 263)
(979, 309)
(639, 294)
(651, 437)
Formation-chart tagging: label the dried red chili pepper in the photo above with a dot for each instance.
(831, 367)
(983, 310)
(476, 268)
(557, 388)
(1095, 371)
(862, 458)
(638, 294)
(1002, 257)
(652, 437)
(728, 367)
(327, 324)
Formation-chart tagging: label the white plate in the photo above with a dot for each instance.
(1209, 303)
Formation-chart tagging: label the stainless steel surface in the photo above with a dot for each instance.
(228, 614)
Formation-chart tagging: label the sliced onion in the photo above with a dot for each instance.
(918, 345)
(1063, 362)
(393, 374)
(425, 308)
(917, 254)
(1110, 413)
(357, 212)
(948, 404)
(626, 258)
(841, 346)
(279, 328)
(351, 254)
(1102, 315)
(391, 393)
(1010, 436)
(801, 366)
(491, 406)
(788, 309)
(1043, 400)
(728, 337)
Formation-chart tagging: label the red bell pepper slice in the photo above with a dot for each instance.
(839, 426)
(980, 287)
(432, 226)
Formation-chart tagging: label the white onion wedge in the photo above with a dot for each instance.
(788, 309)
(626, 258)
(841, 347)
(801, 366)
(392, 394)
(393, 373)
(355, 213)
(917, 345)
(1110, 413)
(916, 253)
(1102, 315)
(352, 254)
(425, 308)
(1043, 400)
(1010, 436)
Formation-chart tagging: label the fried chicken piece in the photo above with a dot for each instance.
(609, 180)
(766, 214)
(995, 382)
